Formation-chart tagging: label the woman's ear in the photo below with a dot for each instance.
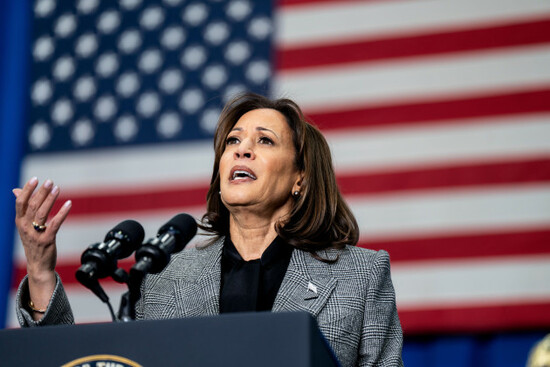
(298, 184)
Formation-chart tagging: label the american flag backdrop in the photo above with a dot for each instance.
(437, 113)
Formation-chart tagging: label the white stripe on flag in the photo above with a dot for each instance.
(106, 169)
(487, 281)
(335, 21)
(433, 78)
(499, 138)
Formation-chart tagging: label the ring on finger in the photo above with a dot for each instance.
(39, 227)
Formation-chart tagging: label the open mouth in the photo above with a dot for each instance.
(242, 174)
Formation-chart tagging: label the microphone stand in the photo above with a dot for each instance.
(93, 284)
(127, 308)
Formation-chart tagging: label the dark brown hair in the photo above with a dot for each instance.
(319, 218)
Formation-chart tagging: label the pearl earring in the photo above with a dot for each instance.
(296, 193)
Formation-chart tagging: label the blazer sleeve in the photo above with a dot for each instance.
(381, 337)
(58, 311)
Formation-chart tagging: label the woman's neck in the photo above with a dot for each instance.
(252, 234)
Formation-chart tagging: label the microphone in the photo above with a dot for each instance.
(100, 259)
(154, 255)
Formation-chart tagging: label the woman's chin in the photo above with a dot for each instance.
(238, 200)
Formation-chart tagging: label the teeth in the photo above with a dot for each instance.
(238, 173)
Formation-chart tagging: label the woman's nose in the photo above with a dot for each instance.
(245, 150)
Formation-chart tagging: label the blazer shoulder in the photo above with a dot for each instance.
(362, 256)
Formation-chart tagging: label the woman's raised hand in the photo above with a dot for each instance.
(38, 236)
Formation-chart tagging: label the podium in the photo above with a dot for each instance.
(240, 339)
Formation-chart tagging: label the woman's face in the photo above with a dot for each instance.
(257, 168)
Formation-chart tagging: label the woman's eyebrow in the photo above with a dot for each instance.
(260, 128)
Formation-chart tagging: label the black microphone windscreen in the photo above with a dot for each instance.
(128, 232)
(183, 223)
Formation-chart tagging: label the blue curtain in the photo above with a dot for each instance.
(14, 48)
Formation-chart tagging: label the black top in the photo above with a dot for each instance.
(252, 285)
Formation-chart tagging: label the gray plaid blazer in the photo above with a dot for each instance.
(352, 299)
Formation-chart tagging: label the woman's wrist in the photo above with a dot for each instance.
(41, 287)
(41, 277)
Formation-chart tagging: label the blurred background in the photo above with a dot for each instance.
(437, 113)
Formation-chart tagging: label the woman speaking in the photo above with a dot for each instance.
(283, 239)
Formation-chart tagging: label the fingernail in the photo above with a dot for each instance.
(48, 183)
(55, 190)
(33, 180)
(14, 194)
(68, 203)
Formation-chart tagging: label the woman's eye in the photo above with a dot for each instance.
(231, 140)
(265, 140)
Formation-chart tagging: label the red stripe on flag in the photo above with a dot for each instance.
(464, 246)
(525, 171)
(476, 318)
(531, 101)
(486, 38)
(135, 201)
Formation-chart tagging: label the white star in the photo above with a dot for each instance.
(194, 14)
(237, 52)
(82, 132)
(151, 17)
(108, 21)
(105, 108)
(63, 68)
(150, 61)
(128, 83)
(214, 76)
(193, 57)
(239, 9)
(148, 104)
(129, 41)
(209, 120)
(191, 100)
(65, 25)
(87, 6)
(39, 135)
(42, 91)
(169, 124)
(85, 88)
(260, 27)
(107, 64)
(62, 111)
(43, 48)
(43, 8)
(125, 128)
(86, 45)
(171, 80)
(172, 37)
(216, 33)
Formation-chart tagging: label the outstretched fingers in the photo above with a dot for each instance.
(45, 207)
(23, 196)
(59, 218)
(37, 208)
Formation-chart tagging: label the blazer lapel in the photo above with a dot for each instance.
(198, 292)
(307, 285)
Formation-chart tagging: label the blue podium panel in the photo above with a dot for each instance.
(240, 339)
